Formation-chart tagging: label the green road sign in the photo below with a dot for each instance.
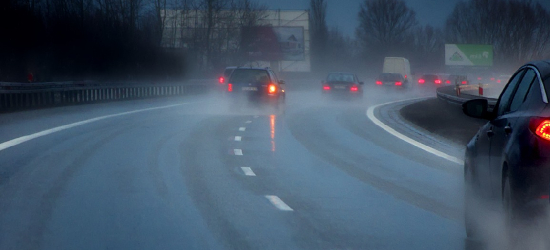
(468, 55)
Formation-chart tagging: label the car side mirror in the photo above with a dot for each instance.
(282, 82)
(477, 108)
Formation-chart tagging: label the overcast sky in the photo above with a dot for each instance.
(343, 13)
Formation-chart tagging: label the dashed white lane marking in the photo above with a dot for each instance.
(278, 203)
(372, 117)
(248, 122)
(242, 129)
(238, 138)
(26, 138)
(248, 171)
(238, 151)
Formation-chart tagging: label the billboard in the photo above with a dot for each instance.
(273, 43)
(291, 42)
(468, 55)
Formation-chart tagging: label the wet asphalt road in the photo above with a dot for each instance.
(201, 175)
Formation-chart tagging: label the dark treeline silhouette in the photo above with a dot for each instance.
(58, 40)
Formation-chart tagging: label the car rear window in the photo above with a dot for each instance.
(249, 76)
(430, 77)
(340, 78)
(390, 77)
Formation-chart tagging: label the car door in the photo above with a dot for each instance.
(503, 125)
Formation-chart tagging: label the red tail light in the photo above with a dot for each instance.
(437, 81)
(221, 79)
(272, 88)
(448, 81)
(492, 78)
(354, 88)
(398, 83)
(405, 76)
(498, 81)
(421, 81)
(326, 87)
(464, 82)
(378, 82)
(479, 78)
(541, 127)
(230, 87)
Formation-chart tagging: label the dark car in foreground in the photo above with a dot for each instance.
(392, 80)
(343, 83)
(256, 85)
(507, 163)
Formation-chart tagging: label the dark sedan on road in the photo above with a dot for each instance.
(392, 79)
(508, 160)
(256, 84)
(343, 83)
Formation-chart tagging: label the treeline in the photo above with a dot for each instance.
(58, 40)
(518, 31)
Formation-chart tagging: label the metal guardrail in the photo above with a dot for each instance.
(450, 94)
(14, 96)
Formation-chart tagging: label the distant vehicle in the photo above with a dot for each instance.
(507, 163)
(226, 73)
(398, 65)
(430, 79)
(457, 79)
(343, 83)
(392, 79)
(256, 85)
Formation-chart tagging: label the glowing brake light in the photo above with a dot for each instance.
(398, 83)
(271, 88)
(448, 81)
(541, 128)
(464, 82)
(422, 81)
(378, 82)
(229, 87)
(492, 78)
(437, 81)
(221, 79)
(405, 76)
(326, 87)
(498, 81)
(479, 78)
(354, 88)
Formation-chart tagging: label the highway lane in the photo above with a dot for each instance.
(201, 176)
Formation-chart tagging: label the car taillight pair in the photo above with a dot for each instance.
(540, 127)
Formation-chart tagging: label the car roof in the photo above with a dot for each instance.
(543, 67)
(343, 73)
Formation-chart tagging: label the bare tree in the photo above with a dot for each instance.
(319, 33)
(520, 37)
(384, 25)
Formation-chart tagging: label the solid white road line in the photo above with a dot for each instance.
(372, 117)
(242, 129)
(238, 138)
(278, 203)
(26, 138)
(238, 151)
(248, 122)
(248, 171)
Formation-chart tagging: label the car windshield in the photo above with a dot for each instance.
(339, 77)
